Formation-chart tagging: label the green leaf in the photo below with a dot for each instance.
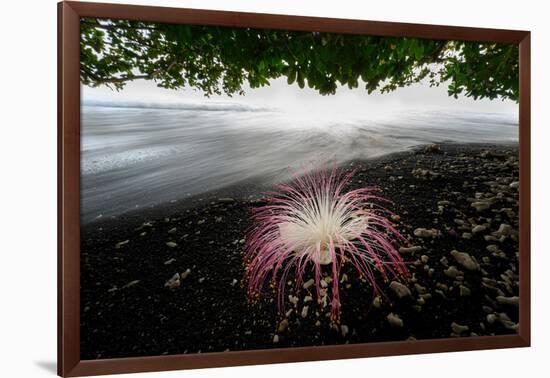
(291, 78)
(217, 60)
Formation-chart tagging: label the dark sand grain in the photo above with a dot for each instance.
(126, 310)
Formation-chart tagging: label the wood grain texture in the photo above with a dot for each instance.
(525, 188)
(68, 190)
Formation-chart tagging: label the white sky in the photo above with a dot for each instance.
(308, 103)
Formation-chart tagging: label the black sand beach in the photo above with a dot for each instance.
(456, 204)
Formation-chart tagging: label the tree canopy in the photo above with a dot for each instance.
(217, 60)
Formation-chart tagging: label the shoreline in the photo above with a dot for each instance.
(127, 261)
(252, 189)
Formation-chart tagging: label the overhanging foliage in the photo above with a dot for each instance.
(218, 60)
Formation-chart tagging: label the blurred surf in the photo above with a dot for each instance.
(144, 154)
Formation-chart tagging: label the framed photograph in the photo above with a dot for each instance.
(239, 188)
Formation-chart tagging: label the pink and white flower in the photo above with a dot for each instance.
(312, 224)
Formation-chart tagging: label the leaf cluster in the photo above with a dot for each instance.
(216, 60)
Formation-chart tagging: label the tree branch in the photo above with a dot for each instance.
(126, 78)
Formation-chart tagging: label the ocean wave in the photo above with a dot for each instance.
(142, 156)
(212, 106)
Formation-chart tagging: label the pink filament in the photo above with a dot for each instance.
(370, 249)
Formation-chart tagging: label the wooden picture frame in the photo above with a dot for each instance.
(69, 361)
